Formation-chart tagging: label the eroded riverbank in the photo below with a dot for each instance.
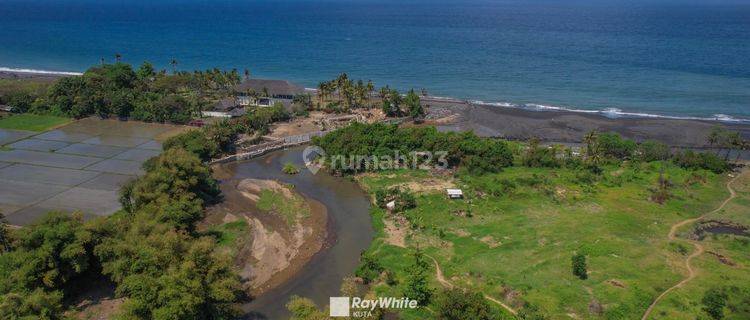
(348, 225)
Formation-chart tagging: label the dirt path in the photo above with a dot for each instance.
(698, 247)
(445, 283)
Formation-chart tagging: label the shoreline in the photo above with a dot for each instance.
(607, 113)
(564, 126)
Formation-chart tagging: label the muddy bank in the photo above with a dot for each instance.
(348, 225)
(566, 126)
(274, 248)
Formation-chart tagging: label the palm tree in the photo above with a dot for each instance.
(734, 142)
(4, 241)
(118, 57)
(173, 63)
(715, 137)
(247, 74)
(102, 60)
(590, 141)
(322, 88)
(370, 90)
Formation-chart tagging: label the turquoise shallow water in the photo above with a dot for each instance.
(682, 59)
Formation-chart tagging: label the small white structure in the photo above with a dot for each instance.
(454, 193)
(391, 205)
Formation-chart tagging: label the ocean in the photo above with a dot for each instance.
(619, 58)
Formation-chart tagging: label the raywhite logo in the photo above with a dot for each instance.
(340, 306)
(314, 157)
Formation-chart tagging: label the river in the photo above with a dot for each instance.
(349, 219)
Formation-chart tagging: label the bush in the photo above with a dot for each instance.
(540, 156)
(708, 161)
(653, 151)
(714, 301)
(369, 268)
(195, 141)
(612, 145)
(579, 266)
(404, 198)
(290, 168)
(417, 284)
(457, 304)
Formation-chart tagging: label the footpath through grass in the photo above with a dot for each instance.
(32, 122)
(513, 235)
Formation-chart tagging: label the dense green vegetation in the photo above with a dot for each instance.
(151, 251)
(31, 122)
(118, 90)
(381, 140)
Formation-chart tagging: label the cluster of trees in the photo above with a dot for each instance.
(344, 94)
(727, 141)
(395, 105)
(153, 253)
(119, 90)
(476, 154)
(602, 148)
(348, 93)
(403, 198)
(150, 250)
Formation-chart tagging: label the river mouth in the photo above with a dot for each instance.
(349, 226)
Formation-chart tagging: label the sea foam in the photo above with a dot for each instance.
(35, 71)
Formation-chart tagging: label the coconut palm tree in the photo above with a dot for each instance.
(173, 63)
(590, 141)
(370, 89)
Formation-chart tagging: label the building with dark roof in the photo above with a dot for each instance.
(266, 92)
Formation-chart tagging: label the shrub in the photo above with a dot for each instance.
(714, 301)
(417, 284)
(612, 145)
(579, 266)
(540, 156)
(195, 141)
(708, 161)
(369, 268)
(290, 168)
(457, 304)
(653, 151)
(404, 198)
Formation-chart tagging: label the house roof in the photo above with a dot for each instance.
(457, 192)
(274, 87)
(225, 104)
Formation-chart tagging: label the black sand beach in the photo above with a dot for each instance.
(570, 127)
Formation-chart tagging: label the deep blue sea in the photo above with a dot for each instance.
(679, 58)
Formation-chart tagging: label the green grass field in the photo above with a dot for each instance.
(291, 209)
(31, 122)
(514, 234)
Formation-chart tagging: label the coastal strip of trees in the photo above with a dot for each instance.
(117, 90)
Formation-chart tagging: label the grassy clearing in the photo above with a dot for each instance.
(291, 209)
(226, 234)
(514, 234)
(32, 122)
(731, 275)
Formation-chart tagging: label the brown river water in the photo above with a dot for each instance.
(349, 221)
